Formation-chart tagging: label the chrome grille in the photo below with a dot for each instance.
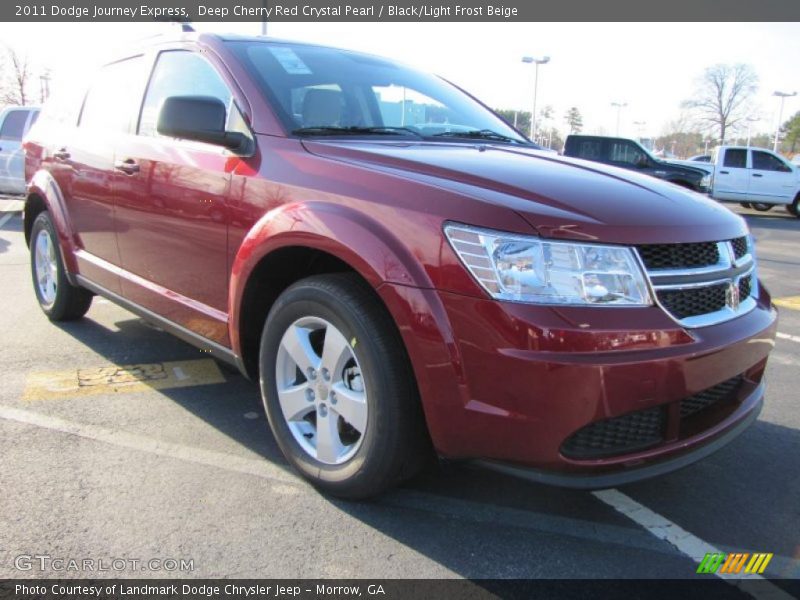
(693, 301)
(739, 246)
(745, 286)
(679, 256)
(702, 283)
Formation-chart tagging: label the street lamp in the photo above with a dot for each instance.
(750, 121)
(44, 86)
(619, 106)
(536, 62)
(782, 96)
(640, 126)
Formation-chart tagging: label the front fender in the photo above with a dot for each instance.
(363, 243)
(44, 187)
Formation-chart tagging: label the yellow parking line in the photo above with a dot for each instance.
(122, 379)
(792, 302)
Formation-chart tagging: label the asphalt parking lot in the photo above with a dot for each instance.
(184, 467)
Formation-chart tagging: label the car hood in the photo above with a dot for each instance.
(683, 168)
(560, 197)
(693, 166)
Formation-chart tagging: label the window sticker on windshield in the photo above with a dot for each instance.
(290, 62)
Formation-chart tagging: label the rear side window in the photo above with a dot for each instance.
(589, 149)
(180, 73)
(736, 159)
(112, 100)
(622, 152)
(14, 125)
(764, 161)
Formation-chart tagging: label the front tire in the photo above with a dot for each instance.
(58, 299)
(761, 206)
(338, 388)
(744, 204)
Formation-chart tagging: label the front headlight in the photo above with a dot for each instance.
(705, 181)
(528, 269)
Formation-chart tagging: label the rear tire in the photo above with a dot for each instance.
(58, 299)
(338, 388)
(794, 207)
(761, 207)
(744, 204)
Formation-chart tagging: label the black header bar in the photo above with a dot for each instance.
(398, 11)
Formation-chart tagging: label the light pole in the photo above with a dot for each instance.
(536, 62)
(619, 106)
(782, 96)
(44, 85)
(640, 126)
(750, 121)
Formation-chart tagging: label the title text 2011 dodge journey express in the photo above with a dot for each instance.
(398, 267)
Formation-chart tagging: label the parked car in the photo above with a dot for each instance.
(700, 158)
(755, 177)
(15, 121)
(630, 154)
(397, 267)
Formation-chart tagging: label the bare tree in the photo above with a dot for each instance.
(17, 79)
(723, 96)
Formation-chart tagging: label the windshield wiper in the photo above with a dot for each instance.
(353, 130)
(480, 134)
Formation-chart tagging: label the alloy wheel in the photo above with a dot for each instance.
(321, 390)
(46, 268)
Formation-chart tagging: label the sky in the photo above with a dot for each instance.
(651, 67)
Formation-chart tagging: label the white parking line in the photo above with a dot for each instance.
(124, 439)
(654, 524)
(457, 508)
(688, 544)
(791, 338)
(5, 218)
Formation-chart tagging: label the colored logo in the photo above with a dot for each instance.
(734, 563)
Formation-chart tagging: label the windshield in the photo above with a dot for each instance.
(323, 91)
(646, 152)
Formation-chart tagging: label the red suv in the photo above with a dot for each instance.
(397, 266)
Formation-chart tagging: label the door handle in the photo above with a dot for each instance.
(723, 172)
(757, 175)
(127, 166)
(61, 154)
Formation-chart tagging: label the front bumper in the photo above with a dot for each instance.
(511, 383)
(680, 455)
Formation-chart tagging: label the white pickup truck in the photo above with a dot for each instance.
(755, 177)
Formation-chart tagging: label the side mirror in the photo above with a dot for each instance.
(642, 163)
(198, 118)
